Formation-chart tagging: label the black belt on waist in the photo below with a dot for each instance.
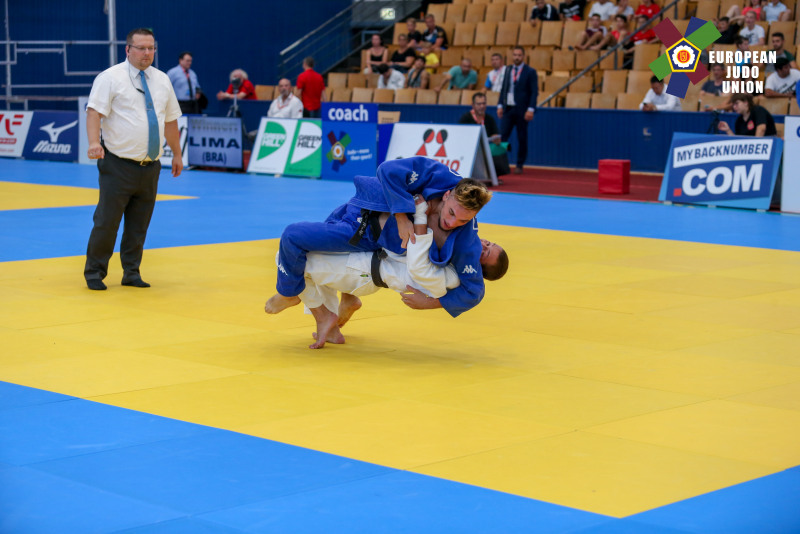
(369, 219)
(131, 161)
(375, 267)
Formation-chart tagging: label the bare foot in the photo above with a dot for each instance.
(335, 336)
(326, 322)
(277, 303)
(348, 305)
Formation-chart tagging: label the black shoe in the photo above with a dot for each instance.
(96, 284)
(137, 282)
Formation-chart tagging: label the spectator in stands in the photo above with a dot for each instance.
(477, 115)
(388, 78)
(777, 45)
(657, 98)
(648, 8)
(378, 54)
(286, 106)
(642, 36)
(752, 31)
(728, 31)
(245, 90)
(743, 45)
(593, 35)
(737, 14)
(418, 77)
(403, 57)
(624, 8)
(460, 77)
(605, 8)
(543, 11)
(312, 89)
(431, 57)
(414, 36)
(714, 85)
(434, 34)
(184, 82)
(775, 10)
(572, 10)
(781, 83)
(494, 80)
(616, 35)
(517, 103)
(752, 120)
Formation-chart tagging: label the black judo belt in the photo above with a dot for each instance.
(377, 256)
(369, 219)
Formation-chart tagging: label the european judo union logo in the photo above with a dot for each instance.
(682, 57)
(337, 152)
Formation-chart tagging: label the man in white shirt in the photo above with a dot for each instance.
(494, 80)
(782, 82)
(775, 10)
(286, 106)
(657, 98)
(135, 106)
(752, 31)
(388, 78)
(605, 8)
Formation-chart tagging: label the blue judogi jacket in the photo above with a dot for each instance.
(393, 191)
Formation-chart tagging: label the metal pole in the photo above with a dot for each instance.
(8, 58)
(112, 32)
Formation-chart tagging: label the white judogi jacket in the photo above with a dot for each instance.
(351, 273)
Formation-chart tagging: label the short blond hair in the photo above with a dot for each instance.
(471, 194)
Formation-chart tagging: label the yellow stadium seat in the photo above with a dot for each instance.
(614, 81)
(265, 92)
(426, 96)
(383, 96)
(464, 34)
(362, 94)
(475, 13)
(405, 96)
(578, 100)
(342, 94)
(507, 33)
(603, 101)
(449, 97)
(628, 101)
(485, 33)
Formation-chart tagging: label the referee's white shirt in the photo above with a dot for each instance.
(124, 123)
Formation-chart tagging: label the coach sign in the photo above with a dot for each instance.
(731, 171)
(349, 140)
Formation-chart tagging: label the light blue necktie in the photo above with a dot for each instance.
(153, 140)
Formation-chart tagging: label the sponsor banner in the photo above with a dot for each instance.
(214, 141)
(717, 170)
(349, 140)
(166, 155)
(14, 126)
(790, 190)
(287, 146)
(453, 145)
(53, 135)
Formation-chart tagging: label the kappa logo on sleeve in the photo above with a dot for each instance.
(469, 269)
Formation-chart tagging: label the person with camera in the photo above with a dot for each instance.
(240, 87)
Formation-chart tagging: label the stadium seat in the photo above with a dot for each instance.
(474, 54)
(337, 79)
(461, 1)
(584, 58)
(583, 84)
(563, 60)
(449, 97)
(711, 101)
(437, 79)
(638, 82)
(776, 106)
(614, 81)
(551, 33)
(528, 36)
(455, 13)
(405, 96)
(464, 34)
(489, 50)
(492, 98)
(439, 11)
(466, 97)
(342, 94)
(372, 80)
(495, 12)
(450, 29)
(682, 25)
(362, 94)
(265, 92)
(578, 100)
(708, 10)
(475, 13)
(426, 96)
(645, 54)
(485, 33)
(689, 104)
(356, 79)
(573, 31)
(603, 101)
(483, 73)
(541, 59)
(629, 101)
(794, 107)
(553, 83)
(725, 5)
(452, 56)
(517, 12)
(383, 96)
(507, 34)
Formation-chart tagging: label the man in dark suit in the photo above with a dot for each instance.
(517, 103)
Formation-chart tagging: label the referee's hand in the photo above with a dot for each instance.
(96, 151)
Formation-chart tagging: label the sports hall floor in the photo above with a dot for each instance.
(638, 370)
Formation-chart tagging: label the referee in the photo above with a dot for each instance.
(132, 108)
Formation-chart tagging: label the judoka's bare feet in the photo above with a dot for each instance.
(348, 305)
(335, 336)
(326, 326)
(277, 303)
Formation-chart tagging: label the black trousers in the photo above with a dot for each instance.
(514, 117)
(126, 189)
(189, 107)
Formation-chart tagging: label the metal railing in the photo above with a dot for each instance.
(343, 33)
(613, 50)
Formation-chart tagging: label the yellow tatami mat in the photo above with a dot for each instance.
(610, 374)
(20, 196)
